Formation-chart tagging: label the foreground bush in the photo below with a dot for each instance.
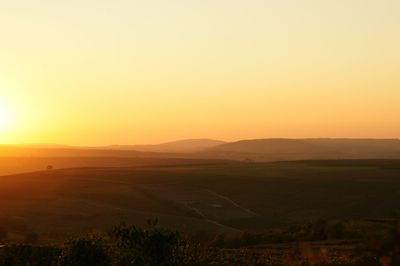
(24, 255)
(90, 251)
(130, 245)
(3, 234)
(155, 246)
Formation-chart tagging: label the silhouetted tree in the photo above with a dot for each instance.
(85, 252)
(154, 246)
(3, 234)
(32, 238)
(335, 230)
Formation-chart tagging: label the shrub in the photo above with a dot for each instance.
(335, 230)
(89, 251)
(3, 234)
(147, 247)
(388, 248)
(32, 238)
(317, 231)
(23, 255)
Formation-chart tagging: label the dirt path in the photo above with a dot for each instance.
(208, 220)
(232, 202)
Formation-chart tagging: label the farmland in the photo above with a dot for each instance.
(202, 196)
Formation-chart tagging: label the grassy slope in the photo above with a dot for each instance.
(17, 165)
(217, 197)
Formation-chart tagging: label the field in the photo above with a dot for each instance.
(194, 196)
(17, 165)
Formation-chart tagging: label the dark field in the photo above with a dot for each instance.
(18, 165)
(193, 196)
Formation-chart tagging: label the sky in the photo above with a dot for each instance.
(97, 72)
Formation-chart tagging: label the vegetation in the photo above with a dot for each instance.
(124, 245)
(3, 234)
(32, 238)
(218, 197)
(242, 213)
(317, 243)
(85, 251)
(146, 247)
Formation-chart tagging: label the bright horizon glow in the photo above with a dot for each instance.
(103, 72)
(6, 116)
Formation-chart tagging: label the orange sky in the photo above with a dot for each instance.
(107, 72)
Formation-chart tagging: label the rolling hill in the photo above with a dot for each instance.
(307, 149)
(180, 146)
(213, 197)
(15, 165)
(24, 158)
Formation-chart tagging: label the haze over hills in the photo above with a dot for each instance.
(26, 158)
(179, 146)
(70, 151)
(36, 157)
(275, 149)
(305, 149)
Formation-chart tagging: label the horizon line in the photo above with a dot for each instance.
(192, 139)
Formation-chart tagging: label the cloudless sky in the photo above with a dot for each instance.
(94, 72)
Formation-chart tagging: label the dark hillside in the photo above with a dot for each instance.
(308, 149)
(213, 197)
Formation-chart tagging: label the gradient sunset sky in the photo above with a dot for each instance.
(96, 72)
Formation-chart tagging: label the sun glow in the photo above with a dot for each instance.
(6, 115)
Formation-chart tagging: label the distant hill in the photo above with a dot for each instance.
(46, 151)
(262, 150)
(304, 149)
(35, 157)
(180, 146)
